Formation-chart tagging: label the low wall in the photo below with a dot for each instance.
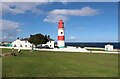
(68, 49)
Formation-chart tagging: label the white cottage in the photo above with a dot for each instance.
(21, 43)
(50, 43)
(109, 47)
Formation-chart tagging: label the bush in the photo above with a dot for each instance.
(82, 45)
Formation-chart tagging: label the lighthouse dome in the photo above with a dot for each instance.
(61, 24)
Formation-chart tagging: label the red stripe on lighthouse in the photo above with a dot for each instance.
(60, 26)
(60, 37)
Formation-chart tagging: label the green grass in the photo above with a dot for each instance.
(60, 64)
(102, 50)
(0, 67)
(5, 50)
(96, 49)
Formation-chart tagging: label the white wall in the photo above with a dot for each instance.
(59, 32)
(20, 43)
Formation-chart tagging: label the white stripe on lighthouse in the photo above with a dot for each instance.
(60, 32)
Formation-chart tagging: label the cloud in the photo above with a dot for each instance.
(60, 0)
(9, 29)
(39, 0)
(72, 38)
(54, 18)
(27, 0)
(0, 9)
(57, 14)
(85, 11)
(21, 7)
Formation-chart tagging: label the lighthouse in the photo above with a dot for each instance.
(61, 37)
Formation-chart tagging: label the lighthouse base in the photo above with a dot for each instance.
(61, 46)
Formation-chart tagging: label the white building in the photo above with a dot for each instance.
(50, 43)
(21, 43)
(109, 47)
(25, 43)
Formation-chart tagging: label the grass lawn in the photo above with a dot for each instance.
(60, 64)
(5, 50)
(0, 67)
(96, 49)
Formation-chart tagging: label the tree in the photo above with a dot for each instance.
(38, 39)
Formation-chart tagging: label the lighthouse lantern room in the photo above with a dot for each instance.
(61, 37)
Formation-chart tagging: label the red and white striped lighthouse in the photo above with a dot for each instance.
(61, 37)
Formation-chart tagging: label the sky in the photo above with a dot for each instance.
(84, 21)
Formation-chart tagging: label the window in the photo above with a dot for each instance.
(15, 45)
(50, 45)
(25, 45)
(50, 41)
(21, 45)
(61, 32)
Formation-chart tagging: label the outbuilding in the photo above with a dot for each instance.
(108, 47)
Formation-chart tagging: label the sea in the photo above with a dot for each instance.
(93, 44)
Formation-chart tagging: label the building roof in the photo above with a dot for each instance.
(25, 39)
(50, 39)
